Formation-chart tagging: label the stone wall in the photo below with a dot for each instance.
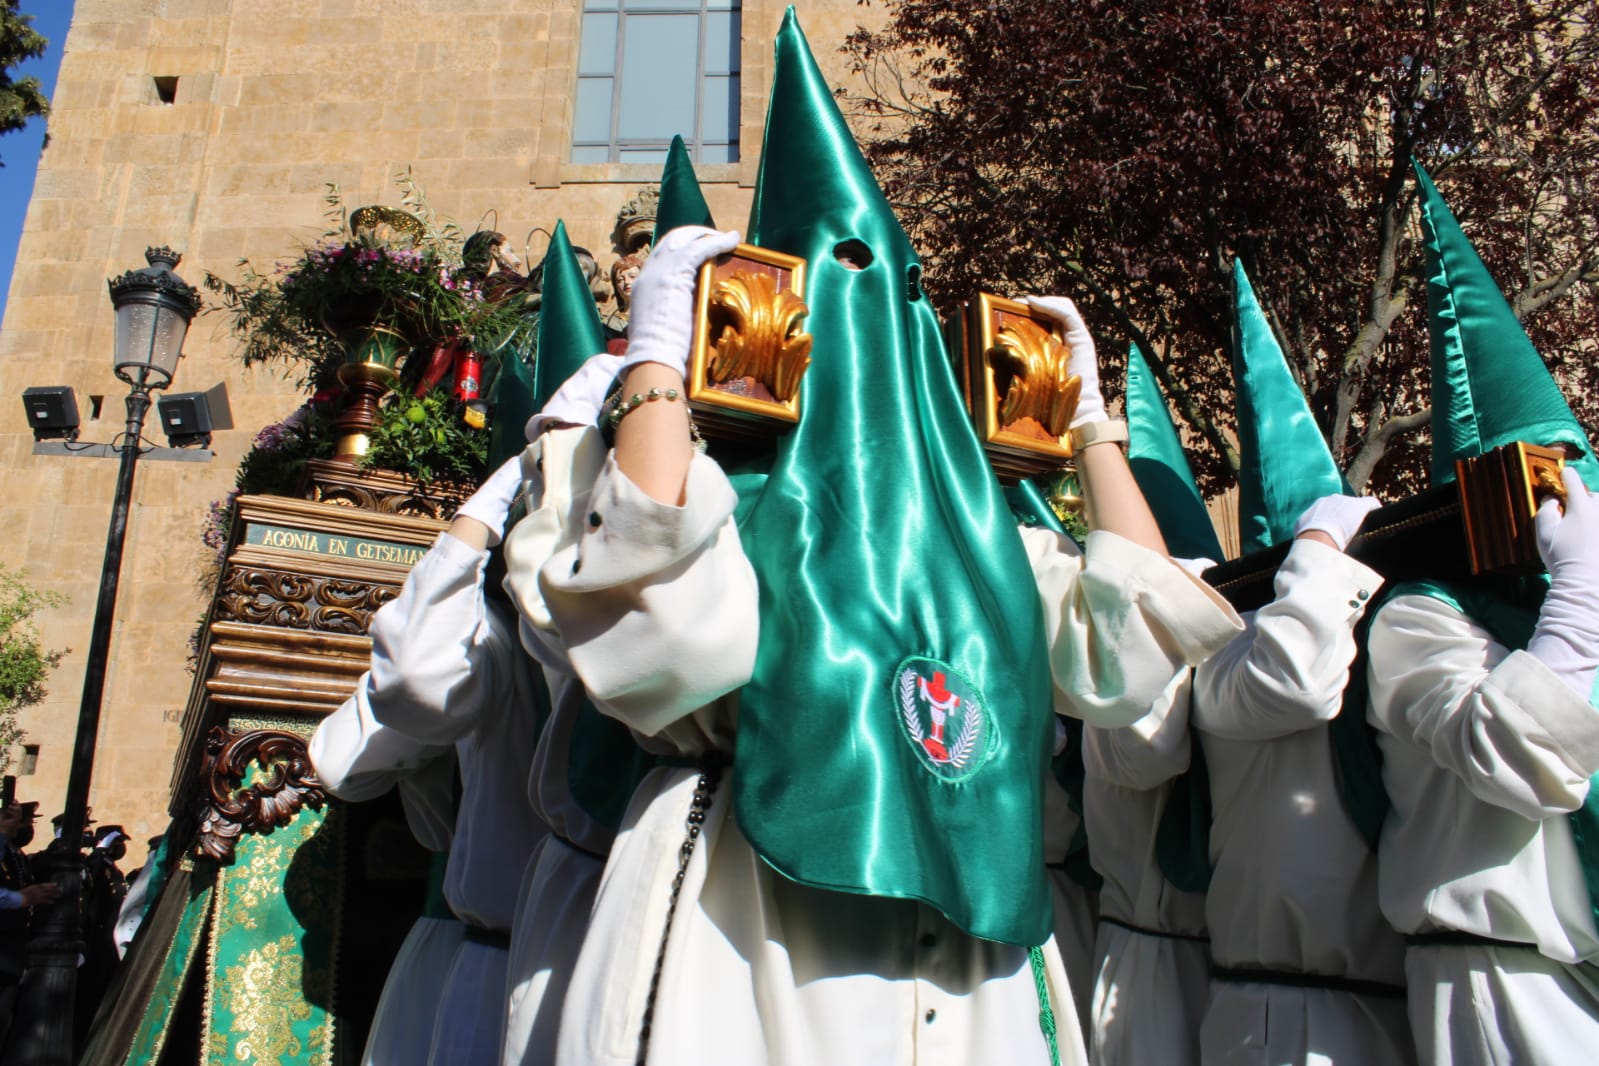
(273, 100)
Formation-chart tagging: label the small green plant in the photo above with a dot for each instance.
(426, 437)
(24, 664)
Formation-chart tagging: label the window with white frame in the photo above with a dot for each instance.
(648, 69)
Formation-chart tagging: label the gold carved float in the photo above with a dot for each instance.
(1013, 370)
(749, 350)
(1500, 493)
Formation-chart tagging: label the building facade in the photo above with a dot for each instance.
(217, 127)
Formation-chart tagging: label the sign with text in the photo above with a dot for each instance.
(263, 535)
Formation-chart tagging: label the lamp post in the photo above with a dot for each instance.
(153, 310)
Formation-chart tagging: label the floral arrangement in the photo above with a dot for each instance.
(387, 293)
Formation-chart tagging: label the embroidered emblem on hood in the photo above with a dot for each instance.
(944, 718)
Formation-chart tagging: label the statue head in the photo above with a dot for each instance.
(624, 272)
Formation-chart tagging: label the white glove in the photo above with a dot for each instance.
(661, 315)
(1566, 639)
(1338, 516)
(580, 397)
(1082, 362)
(1196, 567)
(492, 501)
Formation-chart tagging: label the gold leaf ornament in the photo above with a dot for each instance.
(762, 340)
(387, 225)
(1041, 388)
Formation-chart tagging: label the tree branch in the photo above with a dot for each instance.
(1377, 444)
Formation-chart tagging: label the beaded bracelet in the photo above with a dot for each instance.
(626, 407)
(637, 400)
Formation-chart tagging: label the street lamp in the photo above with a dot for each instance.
(153, 307)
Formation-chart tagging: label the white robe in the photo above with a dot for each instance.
(1149, 989)
(448, 671)
(1075, 905)
(656, 608)
(1485, 751)
(1294, 887)
(563, 875)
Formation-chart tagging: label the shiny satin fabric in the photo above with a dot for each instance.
(513, 402)
(880, 535)
(1489, 385)
(1030, 508)
(569, 322)
(1284, 464)
(512, 397)
(1161, 468)
(681, 203)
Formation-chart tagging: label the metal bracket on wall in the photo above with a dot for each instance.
(112, 451)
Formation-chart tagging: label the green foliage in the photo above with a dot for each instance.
(307, 315)
(275, 463)
(20, 99)
(1064, 494)
(425, 437)
(270, 331)
(24, 664)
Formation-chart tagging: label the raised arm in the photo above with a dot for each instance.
(653, 447)
(1288, 670)
(1499, 720)
(1122, 622)
(1518, 727)
(1114, 502)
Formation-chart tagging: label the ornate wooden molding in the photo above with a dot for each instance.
(228, 810)
(286, 633)
(382, 491)
(288, 600)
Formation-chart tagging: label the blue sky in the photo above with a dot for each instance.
(19, 150)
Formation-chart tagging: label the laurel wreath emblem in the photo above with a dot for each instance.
(961, 751)
(907, 704)
(965, 745)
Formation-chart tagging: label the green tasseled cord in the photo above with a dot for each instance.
(1046, 1016)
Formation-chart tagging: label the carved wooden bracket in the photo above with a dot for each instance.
(228, 810)
(382, 491)
(298, 601)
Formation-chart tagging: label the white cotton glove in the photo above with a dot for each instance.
(1082, 362)
(492, 501)
(1566, 639)
(1196, 567)
(661, 316)
(580, 397)
(1338, 516)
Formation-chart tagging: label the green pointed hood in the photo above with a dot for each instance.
(1155, 452)
(889, 568)
(682, 203)
(1284, 464)
(569, 322)
(1489, 385)
(512, 399)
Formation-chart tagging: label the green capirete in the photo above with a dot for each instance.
(1284, 464)
(884, 546)
(1489, 385)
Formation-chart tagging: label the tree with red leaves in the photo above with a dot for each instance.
(1124, 151)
